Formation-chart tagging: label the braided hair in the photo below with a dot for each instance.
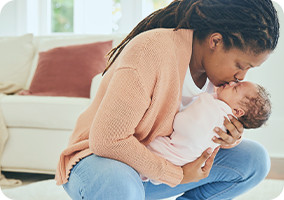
(244, 24)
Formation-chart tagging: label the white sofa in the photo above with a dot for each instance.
(38, 126)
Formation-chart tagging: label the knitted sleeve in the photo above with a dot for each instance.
(112, 131)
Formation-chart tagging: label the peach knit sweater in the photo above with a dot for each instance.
(137, 101)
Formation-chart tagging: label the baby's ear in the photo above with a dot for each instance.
(238, 112)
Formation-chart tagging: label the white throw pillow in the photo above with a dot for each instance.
(16, 55)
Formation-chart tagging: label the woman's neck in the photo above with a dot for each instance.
(196, 68)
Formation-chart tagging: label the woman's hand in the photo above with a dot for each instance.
(193, 171)
(235, 129)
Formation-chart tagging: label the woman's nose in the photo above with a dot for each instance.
(241, 75)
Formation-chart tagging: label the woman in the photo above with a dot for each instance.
(214, 42)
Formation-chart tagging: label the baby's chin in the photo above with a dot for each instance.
(219, 90)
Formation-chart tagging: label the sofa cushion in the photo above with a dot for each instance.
(45, 43)
(16, 55)
(42, 112)
(68, 71)
(39, 149)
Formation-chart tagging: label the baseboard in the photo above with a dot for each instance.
(24, 170)
(277, 169)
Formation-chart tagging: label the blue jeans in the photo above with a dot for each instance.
(234, 172)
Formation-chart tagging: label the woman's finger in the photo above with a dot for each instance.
(224, 136)
(219, 141)
(237, 124)
(231, 128)
(209, 162)
(204, 156)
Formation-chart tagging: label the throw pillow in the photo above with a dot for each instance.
(68, 71)
(16, 55)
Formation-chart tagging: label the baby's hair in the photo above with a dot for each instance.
(249, 25)
(258, 109)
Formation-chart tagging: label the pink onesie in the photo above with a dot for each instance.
(193, 130)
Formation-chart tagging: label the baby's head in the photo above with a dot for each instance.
(249, 102)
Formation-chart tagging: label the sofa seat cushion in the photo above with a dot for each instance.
(42, 112)
(34, 150)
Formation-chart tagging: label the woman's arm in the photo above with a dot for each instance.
(112, 132)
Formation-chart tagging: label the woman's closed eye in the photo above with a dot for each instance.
(239, 66)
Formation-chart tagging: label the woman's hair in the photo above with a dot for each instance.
(257, 109)
(245, 24)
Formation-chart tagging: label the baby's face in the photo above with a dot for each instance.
(233, 93)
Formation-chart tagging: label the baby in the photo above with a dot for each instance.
(194, 126)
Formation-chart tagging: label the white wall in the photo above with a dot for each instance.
(8, 19)
(91, 16)
(33, 16)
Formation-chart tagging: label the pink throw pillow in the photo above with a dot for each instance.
(68, 71)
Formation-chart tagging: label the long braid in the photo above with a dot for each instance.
(244, 24)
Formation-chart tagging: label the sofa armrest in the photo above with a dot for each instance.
(95, 85)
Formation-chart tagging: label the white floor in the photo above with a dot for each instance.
(47, 190)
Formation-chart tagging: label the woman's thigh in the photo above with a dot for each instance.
(100, 178)
(234, 172)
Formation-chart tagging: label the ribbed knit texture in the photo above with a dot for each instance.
(137, 100)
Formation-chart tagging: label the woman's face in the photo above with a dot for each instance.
(223, 66)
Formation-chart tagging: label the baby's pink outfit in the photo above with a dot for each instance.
(193, 130)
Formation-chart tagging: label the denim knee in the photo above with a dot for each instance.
(126, 185)
(102, 178)
(258, 160)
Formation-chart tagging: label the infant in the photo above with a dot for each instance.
(193, 127)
